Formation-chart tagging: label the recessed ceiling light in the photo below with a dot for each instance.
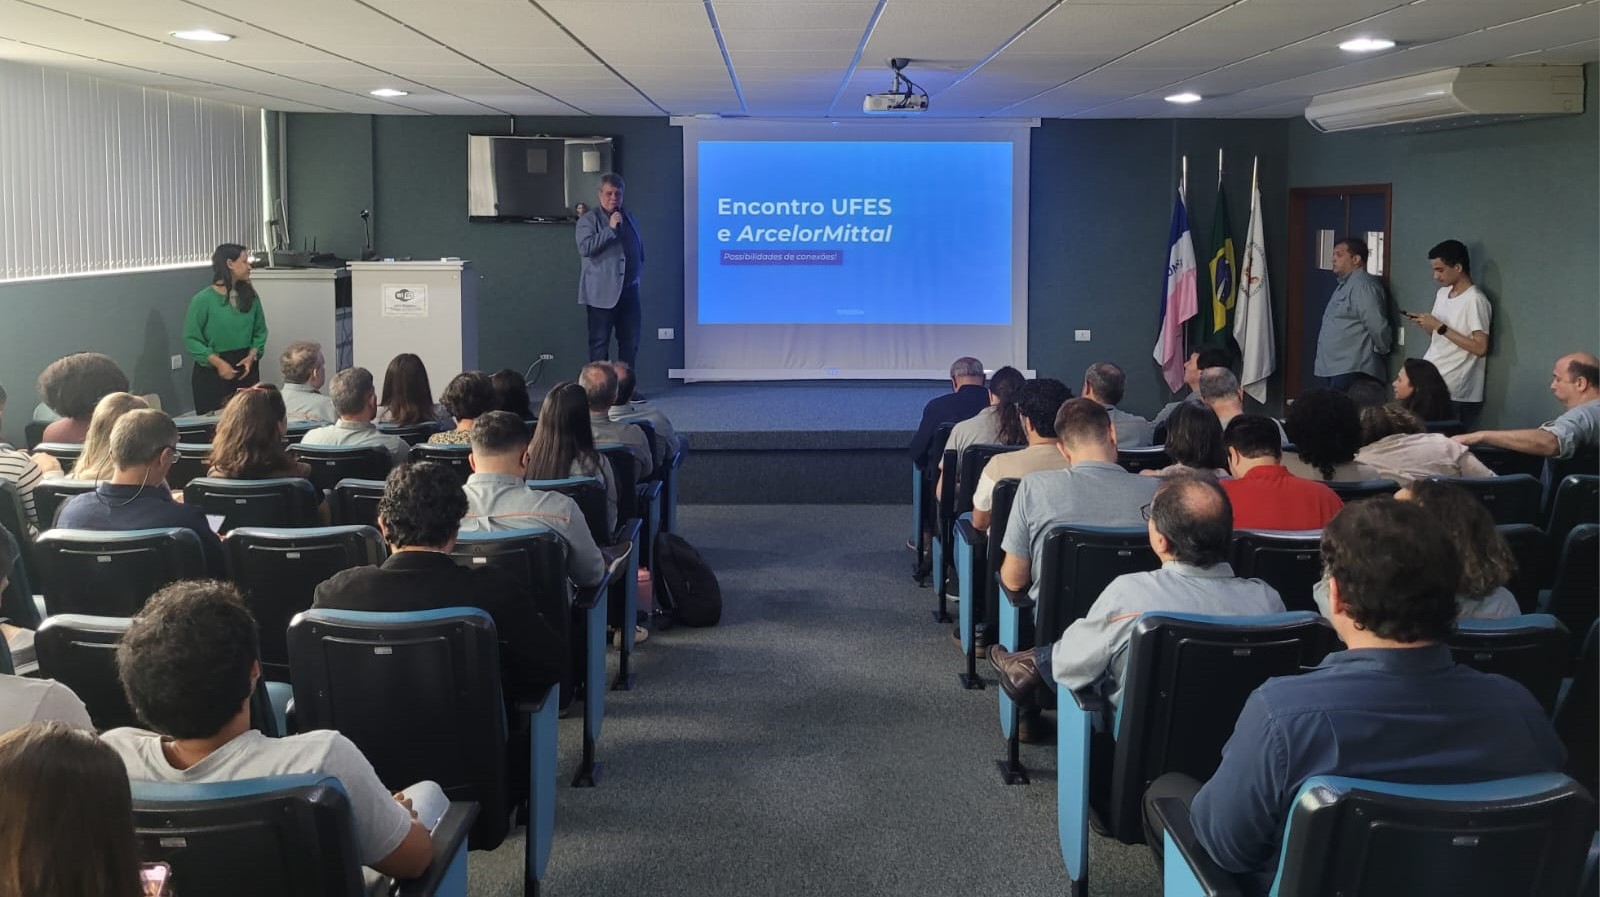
(202, 34)
(1185, 98)
(389, 92)
(1367, 45)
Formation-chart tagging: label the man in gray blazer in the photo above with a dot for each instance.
(611, 255)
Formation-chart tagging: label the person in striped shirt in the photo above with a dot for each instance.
(23, 471)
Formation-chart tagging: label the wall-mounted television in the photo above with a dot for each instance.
(534, 178)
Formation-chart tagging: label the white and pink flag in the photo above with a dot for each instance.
(1180, 301)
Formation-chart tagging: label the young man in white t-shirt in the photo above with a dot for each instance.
(1458, 328)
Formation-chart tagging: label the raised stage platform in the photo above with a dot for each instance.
(800, 443)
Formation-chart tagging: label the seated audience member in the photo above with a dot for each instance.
(24, 700)
(511, 393)
(24, 471)
(14, 588)
(624, 410)
(188, 664)
(1575, 382)
(1037, 402)
(967, 397)
(563, 445)
(1422, 391)
(1325, 428)
(1220, 389)
(1393, 707)
(599, 383)
(1264, 494)
(72, 386)
(498, 498)
(304, 373)
(1194, 443)
(1366, 391)
(468, 396)
(1094, 490)
(248, 444)
(1211, 357)
(1398, 449)
(144, 444)
(357, 404)
(1000, 423)
(1191, 530)
(1105, 383)
(407, 397)
(419, 515)
(94, 460)
(66, 823)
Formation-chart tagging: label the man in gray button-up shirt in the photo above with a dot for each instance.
(1355, 331)
(357, 404)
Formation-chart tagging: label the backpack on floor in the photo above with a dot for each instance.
(685, 588)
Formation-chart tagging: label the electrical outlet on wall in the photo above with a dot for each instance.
(1081, 336)
(177, 362)
(664, 333)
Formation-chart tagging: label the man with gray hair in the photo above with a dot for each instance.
(1219, 388)
(304, 372)
(968, 395)
(144, 443)
(357, 405)
(610, 259)
(1105, 383)
(624, 410)
(599, 384)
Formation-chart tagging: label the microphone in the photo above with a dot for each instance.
(367, 252)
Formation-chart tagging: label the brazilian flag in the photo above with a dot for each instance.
(1223, 288)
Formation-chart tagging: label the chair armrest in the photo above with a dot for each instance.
(1090, 703)
(649, 491)
(587, 597)
(1213, 880)
(627, 530)
(1019, 600)
(531, 706)
(970, 534)
(448, 837)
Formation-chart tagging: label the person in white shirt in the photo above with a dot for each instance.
(304, 371)
(1459, 328)
(357, 403)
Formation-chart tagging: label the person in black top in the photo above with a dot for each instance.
(419, 516)
(144, 444)
(967, 397)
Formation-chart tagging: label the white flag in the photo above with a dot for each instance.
(1252, 321)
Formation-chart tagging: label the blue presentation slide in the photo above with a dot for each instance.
(798, 232)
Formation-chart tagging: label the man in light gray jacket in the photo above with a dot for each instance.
(611, 256)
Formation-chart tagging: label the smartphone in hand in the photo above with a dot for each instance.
(155, 877)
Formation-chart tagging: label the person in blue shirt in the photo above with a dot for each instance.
(144, 443)
(1356, 334)
(967, 396)
(1392, 707)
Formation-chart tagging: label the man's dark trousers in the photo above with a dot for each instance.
(622, 317)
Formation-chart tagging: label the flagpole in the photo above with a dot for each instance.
(1219, 168)
(1183, 178)
(1255, 167)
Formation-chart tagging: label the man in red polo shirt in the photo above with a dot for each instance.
(1265, 495)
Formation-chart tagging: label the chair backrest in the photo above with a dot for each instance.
(1186, 680)
(1078, 563)
(624, 469)
(65, 452)
(33, 432)
(1152, 457)
(418, 693)
(278, 570)
(354, 502)
(14, 520)
(1584, 462)
(411, 433)
(50, 495)
(1359, 490)
(1511, 499)
(451, 456)
(590, 495)
(930, 474)
(1531, 548)
(1577, 717)
(1505, 462)
(659, 450)
(1531, 649)
(80, 652)
(537, 558)
(1523, 836)
(193, 462)
(197, 429)
(1575, 596)
(297, 431)
(251, 837)
(1289, 561)
(1577, 501)
(1445, 427)
(972, 462)
(277, 501)
(112, 574)
(332, 463)
(1005, 494)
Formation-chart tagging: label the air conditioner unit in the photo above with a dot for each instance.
(1452, 98)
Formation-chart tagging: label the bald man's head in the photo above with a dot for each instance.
(1195, 517)
(1576, 379)
(599, 384)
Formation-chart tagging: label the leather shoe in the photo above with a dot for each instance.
(1019, 675)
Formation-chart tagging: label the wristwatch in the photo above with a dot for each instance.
(1443, 328)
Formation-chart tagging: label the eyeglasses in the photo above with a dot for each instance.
(1144, 511)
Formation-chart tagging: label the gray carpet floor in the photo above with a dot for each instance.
(816, 742)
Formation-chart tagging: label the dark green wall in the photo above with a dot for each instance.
(1523, 197)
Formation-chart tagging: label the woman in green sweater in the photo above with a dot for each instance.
(225, 331)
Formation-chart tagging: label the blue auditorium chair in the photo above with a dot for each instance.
(198, 430)
(669, 489)
(1574, 597)
(1289, 561)
(14, 520)
(332, 463)
(977, 557)
(276, 501)
(354, 502)
(33, 432)
(1528, 836)
(958, 479)
(193, 462)
(590, 495)
(451, 456)
(1187, 677)
(1505, 462)
(1136, 460)
(632, 510)
(419, 694)
(1577, 716)
(1359, 490)
(50, 495)
(1577, 501)
(1531, 649)
(1510, 499)
(1531, 548)
(278, 835)
(113, 573)
(297, 431)
(65, 452)
(924, 505)
(1077, 563)
(413, 434)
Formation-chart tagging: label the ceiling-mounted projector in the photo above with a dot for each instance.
(903, 96)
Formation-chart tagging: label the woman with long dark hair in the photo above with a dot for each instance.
(225, 331)
(248, 444)
(563, 444)
(1194, 443)
(511, 393)
(1422, 389)
(407, 397)
(1000, 422)
(1325, 427)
